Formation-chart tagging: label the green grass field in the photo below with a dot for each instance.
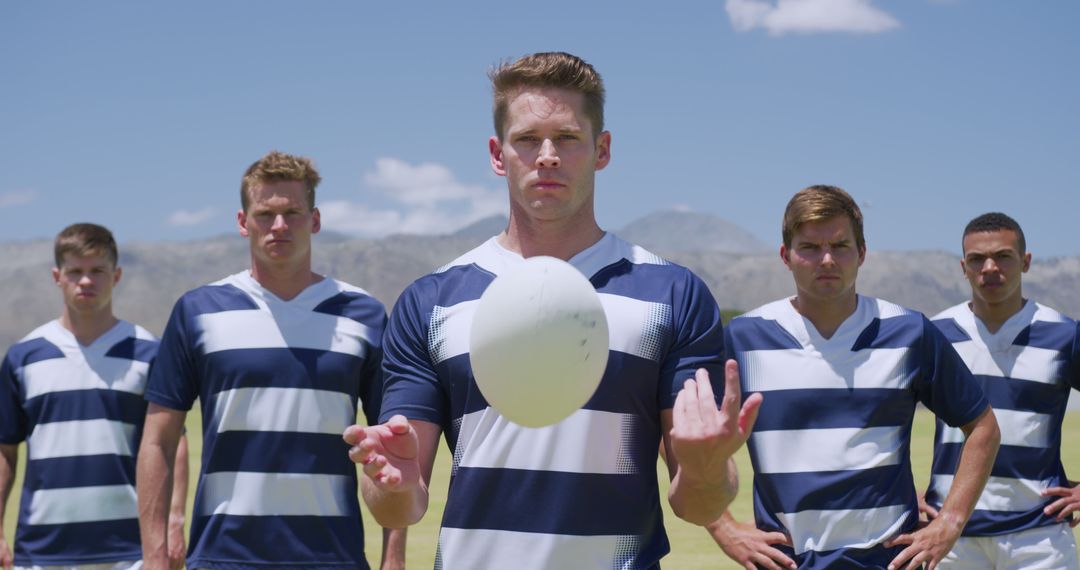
(691, 547)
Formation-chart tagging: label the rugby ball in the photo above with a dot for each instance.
(539, 342)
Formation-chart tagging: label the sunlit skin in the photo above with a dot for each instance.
(279, 224)
(824, 260)
(87, 282)
(993, 266)
(549, 155)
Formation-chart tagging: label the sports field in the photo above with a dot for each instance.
(691, 547)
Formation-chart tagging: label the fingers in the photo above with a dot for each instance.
(777, 538)
(706, 399)
(901, 539)
(905, 559)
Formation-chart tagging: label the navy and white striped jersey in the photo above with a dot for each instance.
(80, 410)
(582, 493)
(831, 446)
(1026, 370)
(278, 382)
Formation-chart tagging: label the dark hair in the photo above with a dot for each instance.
(993, 222)
(85, 239)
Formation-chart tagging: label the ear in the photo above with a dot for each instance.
(862, 254)
(117, 275)
(56, 275)
(496, 152)
(241, 221)
(603, 150)
(784, 256)
(316, 221)
(1027, 261)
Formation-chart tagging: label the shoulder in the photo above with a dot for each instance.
(35, 346)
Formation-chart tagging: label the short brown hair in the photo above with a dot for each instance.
(85, 239)
(819, 203)
(280, 167)
(548, 69)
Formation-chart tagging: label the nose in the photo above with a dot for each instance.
(989, 265)
(84, 280)
(547, 158)
(279, 223)
(827, 257)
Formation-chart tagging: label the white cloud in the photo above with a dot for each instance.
(17, 198)
(425, 199)
(191, 217)
(781, 17)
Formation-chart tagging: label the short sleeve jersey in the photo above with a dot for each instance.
(1026, 369)
(581, 493)
(80, 410)
(830, 448)
(278, 382)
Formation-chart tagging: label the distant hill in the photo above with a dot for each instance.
(157, 273)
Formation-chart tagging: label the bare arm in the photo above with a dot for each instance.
(700, 440)
(397, 458)
(9, 461)
(154, 481)
(747, 545)
(931, 543)
(176, 541)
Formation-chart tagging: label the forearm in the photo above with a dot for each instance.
(398, 509)
(703, 501)
(155, 483)
(9, 459)
(393, 552)
(972, 472)
(178, 503)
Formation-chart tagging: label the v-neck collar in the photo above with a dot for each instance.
(103, 342)
(1007, 333)
(807, 334)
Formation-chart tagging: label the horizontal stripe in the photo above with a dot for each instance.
(238, 330)
(282, 409)
(1023, 429)
(586, 442)
(900, 330)
(1000, 493)
(1024, 395)
(77, 544)
(87, 437)
(990, 523)
(838, 449)
(1036, 463)
(829, 408)
(33, 350)
(1058, 334)
(248, 451)
(294, 542)
(81, 471)
(274, 494)
(1023, 363)
(483, 548)
(82, 504)
(952, 330)
(450, 329)
(851, 528)
(131, 348)
(286, 368)
(768, 370)
(829, 490)
(356, 305)
(760, 334)
(639, 328)
(59, 375)
(553, 502)
(91, 404)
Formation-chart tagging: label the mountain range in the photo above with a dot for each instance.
(741, 270)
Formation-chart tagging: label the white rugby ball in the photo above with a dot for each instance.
(539, 342)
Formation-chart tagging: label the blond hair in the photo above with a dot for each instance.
(819, 203)
(548, 69)
(280, 167)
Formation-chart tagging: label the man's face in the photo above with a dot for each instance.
(993, 266)
(279, 223)
(86, 282)
(549, 154)
(824, 260)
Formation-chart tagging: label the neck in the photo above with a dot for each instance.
(826, 316)
(562, 239)
(88, 327)
(994, 315)
(286, 282)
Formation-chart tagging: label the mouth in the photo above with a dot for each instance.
(548, 185)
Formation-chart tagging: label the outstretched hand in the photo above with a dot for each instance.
(703, 437)
(388, 453)
(1067, 504)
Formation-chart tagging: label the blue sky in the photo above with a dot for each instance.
(142, 116)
